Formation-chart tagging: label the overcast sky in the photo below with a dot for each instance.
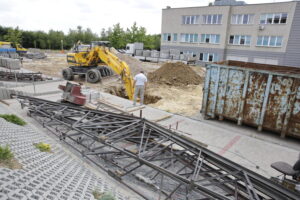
(95, 14)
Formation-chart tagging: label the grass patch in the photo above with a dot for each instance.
(43, 147)
(13, 119)
(103, 196)
(7, 159)
(5, 153)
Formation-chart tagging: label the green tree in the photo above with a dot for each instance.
(14, 36)
(3, 32)
(117, 37)
(52, 39)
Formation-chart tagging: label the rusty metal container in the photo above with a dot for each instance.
(264, 96)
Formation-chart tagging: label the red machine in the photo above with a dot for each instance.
(72, 93)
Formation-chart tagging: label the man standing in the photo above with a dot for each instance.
(140, 81)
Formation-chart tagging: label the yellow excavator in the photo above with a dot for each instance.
(96, 61)
(9, 45)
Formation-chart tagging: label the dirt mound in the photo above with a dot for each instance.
(177, 74)
(120, 91)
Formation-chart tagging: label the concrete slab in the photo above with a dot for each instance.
(40, 89)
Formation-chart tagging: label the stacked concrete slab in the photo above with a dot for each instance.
(139, 52)
(10, 63)
(164, 54)
(146, 53)
(154, 54)
(13, 55)
(175, 54)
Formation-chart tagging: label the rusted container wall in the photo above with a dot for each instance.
(264, 96)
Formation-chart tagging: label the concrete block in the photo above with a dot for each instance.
(14, 64)
(146, 53)
(10, 63)
(175, 56)
(13, 55)
(155, 54)
(164, 54)
(174, 51)
(139, 52)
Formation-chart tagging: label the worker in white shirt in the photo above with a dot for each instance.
(140, 81)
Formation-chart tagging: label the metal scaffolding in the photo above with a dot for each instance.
(153, 161)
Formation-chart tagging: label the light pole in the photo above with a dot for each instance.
(62, 45)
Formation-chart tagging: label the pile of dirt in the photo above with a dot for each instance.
(121, 92)
(176, 74)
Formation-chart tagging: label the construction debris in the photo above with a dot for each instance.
(35, 55)
(175, 74)
(19, 76)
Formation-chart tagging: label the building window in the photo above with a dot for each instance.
(210, 38)
(273, 18)
(242, 19)
(269, 41)
(240, 39)
(212, 19)
(189, 37)
(174, 37)
(191, 19)
(208, 57)
(191, 54)
(167, 37)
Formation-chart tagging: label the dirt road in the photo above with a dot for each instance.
(185, 100)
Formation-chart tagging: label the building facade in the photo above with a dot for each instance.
(262, 33)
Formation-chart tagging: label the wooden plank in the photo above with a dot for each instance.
(4, 102)
(162, 118)
(135, 109)
(109, 103)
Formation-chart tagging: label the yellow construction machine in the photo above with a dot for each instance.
(96, 61)
(9, 45)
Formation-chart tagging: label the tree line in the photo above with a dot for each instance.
(52, 39)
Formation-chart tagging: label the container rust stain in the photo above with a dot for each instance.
(254, 97)
(260, 95)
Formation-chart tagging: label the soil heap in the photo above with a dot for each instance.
(176, 74)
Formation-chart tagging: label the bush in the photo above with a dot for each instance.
(103, 196)
(13, 119)
(107, 196)
(5, 153)
(43, 147)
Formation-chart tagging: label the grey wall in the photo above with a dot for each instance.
(197, 50)
(287, 55)
(257, 54)
(292, 56)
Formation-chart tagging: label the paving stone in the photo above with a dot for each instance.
(54, 175)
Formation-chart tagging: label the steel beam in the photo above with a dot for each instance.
(153, 161)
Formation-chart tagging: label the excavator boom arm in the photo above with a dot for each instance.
(112, 61)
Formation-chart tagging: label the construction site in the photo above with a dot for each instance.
(224, 128)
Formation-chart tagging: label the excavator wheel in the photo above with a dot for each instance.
(109, 72)
(93, 76)
(105, 71)
(68, 74)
